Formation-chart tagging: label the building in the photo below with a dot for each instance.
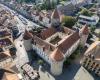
(8, 74)
(83, 74)
(93, 20)
(7, 48)
(91, 59)
(29, 72)
(80, 3)
(54, 44)
(6, 18)
(69, 8)
(42, 17)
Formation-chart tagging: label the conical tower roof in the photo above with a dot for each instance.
(55, 14)
(85, 30)
(27, 35)
(57, 55)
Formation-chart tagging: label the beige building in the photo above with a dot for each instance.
(91, 59)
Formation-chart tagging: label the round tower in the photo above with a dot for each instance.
(84, 32)
(27, 39)
(57, 59)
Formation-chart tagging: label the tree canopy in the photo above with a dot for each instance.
(68, 21)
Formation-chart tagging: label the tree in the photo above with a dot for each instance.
(68, 21)
(40, 62)
(92, 28)
(86, 12)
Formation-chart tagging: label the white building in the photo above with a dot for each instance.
(81, 2)
(88, 20)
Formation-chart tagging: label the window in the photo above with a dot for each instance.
(20, 45)
(88, 20)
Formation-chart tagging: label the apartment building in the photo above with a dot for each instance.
(91, 60)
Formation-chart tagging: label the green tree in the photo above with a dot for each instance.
(41, 62)
(86, 12)
(68, 21)
(92, 28)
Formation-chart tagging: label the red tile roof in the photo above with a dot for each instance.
(27, 35)
(57, 55)
(68, 42)
(85, 30)
(42, 43)
(47, 33)
(67, 30)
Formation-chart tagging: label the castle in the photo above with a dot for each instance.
(55, 44)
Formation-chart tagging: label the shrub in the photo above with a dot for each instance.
(41, 62)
